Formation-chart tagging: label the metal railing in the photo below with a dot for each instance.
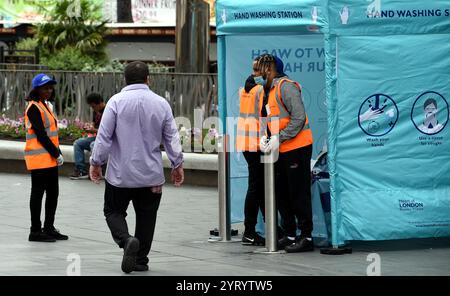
(184, 92)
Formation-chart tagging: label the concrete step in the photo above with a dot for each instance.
(200, 169)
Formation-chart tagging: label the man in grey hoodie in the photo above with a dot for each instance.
(292, 137)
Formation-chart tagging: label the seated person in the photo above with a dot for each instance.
(97, 104)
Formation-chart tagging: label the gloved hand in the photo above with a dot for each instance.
(273, 144)
(60, 160)
(263, 141)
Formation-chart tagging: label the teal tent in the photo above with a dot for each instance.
(388, 86)
(381, 101)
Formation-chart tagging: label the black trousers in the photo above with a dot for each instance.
(254, 200)
(293, 190)
(145, 203)
(44, 181)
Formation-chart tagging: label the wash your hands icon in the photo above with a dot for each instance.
(345, 13)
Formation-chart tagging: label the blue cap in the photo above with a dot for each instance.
(279, 66)
(42, 79)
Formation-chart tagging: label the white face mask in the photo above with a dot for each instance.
(260, 80)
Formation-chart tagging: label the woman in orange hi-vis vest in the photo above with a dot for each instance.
(288, 131)
(42, 158)
(250, 127)
(247, 142)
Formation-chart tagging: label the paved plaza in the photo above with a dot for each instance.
(181, 244)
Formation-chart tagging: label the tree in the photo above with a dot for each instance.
(72, 24)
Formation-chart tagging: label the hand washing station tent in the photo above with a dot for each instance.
(388, 86)
(287, 29)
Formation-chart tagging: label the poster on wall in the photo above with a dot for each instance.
(154, 11)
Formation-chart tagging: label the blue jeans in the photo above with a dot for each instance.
(79, 146)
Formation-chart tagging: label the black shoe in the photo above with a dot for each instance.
(301, 245)
(130, 250)
(55, 234)
(141, 267)
(39, 236)
(253, 239)
(79, 175)
(284, 242)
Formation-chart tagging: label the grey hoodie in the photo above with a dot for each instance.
(292, 99)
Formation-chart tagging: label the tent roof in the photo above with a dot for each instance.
(256, 16)
(387, 17)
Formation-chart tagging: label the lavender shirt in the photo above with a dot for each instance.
(134, 124)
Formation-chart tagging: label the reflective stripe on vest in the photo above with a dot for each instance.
(49, 134)
(36, 152)
(280, 118)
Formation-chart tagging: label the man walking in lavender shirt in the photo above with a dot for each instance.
(134, 124)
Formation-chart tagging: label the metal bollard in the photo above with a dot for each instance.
(271, 209)
(224, 200)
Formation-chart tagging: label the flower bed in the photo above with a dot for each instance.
(68, 132)
(192, 140)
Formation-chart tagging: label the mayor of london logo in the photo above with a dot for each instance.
(377, 115)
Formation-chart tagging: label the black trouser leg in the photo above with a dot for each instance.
(38, 185)
(283, 198)
(115, 210)
(51, 198)
(254, 200)
(146, 206)
(297, 164)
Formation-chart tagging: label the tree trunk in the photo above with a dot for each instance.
(124, 11)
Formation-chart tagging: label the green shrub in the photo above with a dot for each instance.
(26, 44)
(68, 58)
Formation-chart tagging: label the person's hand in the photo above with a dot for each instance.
(177, 176)
(263, 144)
(370, 114)
(157, 189)
(95, 173)
(273, 144)
(344, 15)
(60, 160)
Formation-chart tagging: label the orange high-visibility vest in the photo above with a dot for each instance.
(36, 156)
(248, 127)
(279, 118)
